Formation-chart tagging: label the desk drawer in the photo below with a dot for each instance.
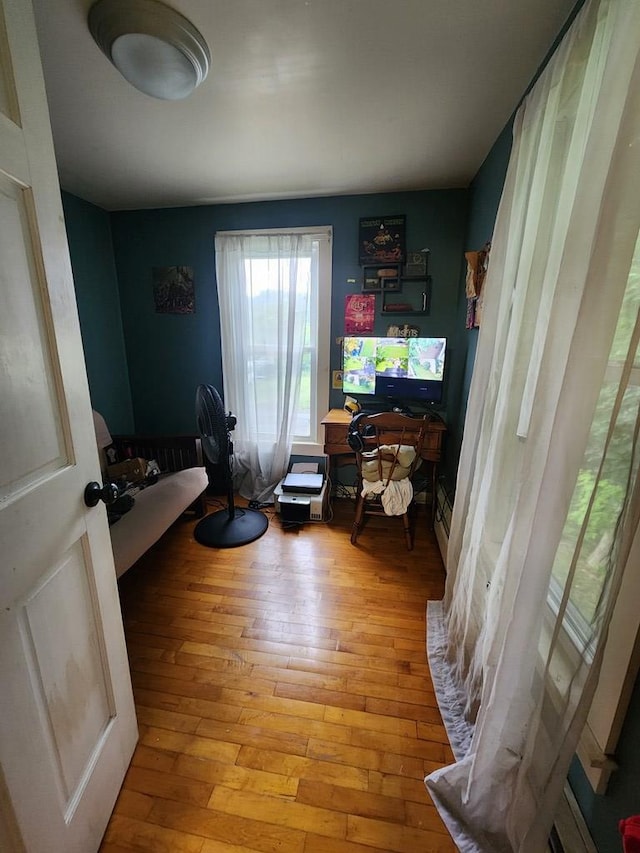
(335, 436)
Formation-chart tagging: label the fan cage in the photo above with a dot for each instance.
(225, 528)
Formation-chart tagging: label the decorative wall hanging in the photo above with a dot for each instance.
(173, 290)
(477, 265)
(359, 314)
(382, 239)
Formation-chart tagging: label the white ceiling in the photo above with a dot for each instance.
(304, 98)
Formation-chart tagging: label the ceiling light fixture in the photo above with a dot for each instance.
(154, 47)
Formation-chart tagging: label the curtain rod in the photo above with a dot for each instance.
(277, 232)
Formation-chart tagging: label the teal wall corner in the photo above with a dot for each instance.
(96, 287)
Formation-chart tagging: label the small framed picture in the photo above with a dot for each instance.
(416, 264)
(173, 291)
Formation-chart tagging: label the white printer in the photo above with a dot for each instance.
(302, 497)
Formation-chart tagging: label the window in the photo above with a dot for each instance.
(597, 509)
(594, 512)
(274, 292)
(265, 270)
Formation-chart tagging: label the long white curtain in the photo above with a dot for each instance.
(549, 458)
(265, 283)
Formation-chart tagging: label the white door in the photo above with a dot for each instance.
(67, 720)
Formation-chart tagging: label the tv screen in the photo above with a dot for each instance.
(397, 368)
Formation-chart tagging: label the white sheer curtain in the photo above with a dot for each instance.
(549, 458)
(265, 285)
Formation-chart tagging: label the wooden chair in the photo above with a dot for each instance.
(379, 459)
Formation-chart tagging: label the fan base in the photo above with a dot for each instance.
(222, 530)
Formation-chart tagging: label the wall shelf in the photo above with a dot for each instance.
(414, 297)
(402, 295)
(381, 278)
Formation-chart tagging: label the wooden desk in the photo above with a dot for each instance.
(336, 426)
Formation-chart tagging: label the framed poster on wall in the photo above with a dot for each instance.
(381, 239)
(173, 290)
(359, 314)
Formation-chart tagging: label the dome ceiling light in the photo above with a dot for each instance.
(154, 47)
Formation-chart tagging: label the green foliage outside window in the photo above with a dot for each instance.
(618, 466)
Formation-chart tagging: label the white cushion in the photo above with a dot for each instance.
(156, 508)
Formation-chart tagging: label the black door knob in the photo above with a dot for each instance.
(94, 492)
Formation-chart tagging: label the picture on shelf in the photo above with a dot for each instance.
(406, 330)
(382, 239)
(416, 264)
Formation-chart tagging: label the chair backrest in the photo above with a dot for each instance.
(390, 429)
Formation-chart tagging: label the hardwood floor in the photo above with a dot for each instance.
(283, 694)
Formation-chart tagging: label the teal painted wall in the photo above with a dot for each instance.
(96, 286)
(169, 354)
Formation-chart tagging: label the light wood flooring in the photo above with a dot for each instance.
(283, 694)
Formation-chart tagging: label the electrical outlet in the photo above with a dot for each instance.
(337, 380)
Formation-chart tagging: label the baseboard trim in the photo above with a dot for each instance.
(442, 539)
(442, 521)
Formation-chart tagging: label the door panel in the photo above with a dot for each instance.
(30, 411)
(61, 640)
(8, 98)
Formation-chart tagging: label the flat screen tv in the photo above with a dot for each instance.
(397, 369)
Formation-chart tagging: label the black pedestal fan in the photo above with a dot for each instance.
(233, 526)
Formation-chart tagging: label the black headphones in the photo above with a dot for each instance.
(355, 438)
